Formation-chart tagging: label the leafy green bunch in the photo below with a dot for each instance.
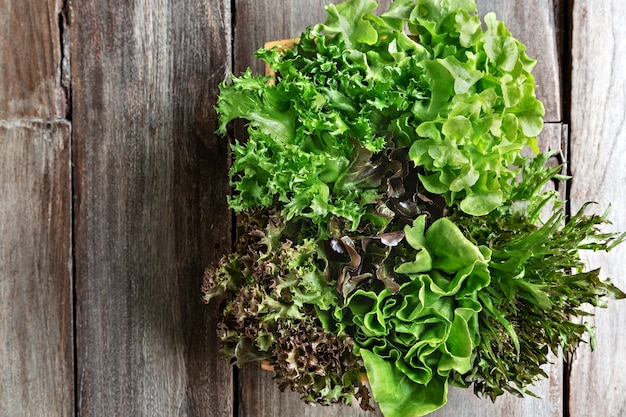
(462, 99)
(533, 305)
(388, 223)
(415, 336)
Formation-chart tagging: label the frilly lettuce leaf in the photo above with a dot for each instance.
(351, 21)
(416, 337)
(397, 395)
(482, 113)
(462, 99)
(277, 293)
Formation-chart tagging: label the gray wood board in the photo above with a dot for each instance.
(36, 360)
(32, 79)
(598, 146)
(148, 169)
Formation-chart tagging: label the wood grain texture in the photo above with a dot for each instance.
(36, 361)
(150, 207)
(463, 402)
(598, 146)
(259, 396)
(32, 76)
(260, 21)
(538, 24)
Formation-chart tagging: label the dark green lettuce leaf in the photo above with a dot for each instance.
(397, 395)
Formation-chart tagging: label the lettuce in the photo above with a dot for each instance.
(388, 222)
(277, 291)
(416, 337)
(462, 99)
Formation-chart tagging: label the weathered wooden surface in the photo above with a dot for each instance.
(463, 402)
(150, 213)
(598, 146)
(36, 304)
(148, 186)
(36, 362)
(31, 76)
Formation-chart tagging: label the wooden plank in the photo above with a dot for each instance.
(258, 394)
(148, 168)
(31, 58)
(36, 352)
(598, 146)
(538, 25)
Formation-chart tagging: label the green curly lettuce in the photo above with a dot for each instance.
(462, 99)
(417, 336)
(485, 111)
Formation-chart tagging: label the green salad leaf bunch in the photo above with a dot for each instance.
(389, 225)
(428, 327)
(461, 98)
